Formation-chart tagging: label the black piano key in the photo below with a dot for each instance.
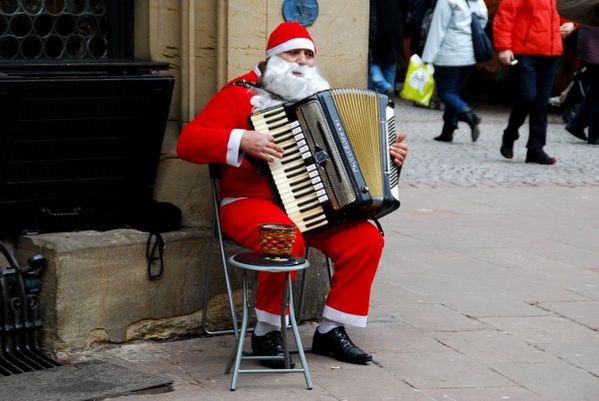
(278, 140)
(289, 154)
(277, 124)
(272, 112)
(306, 186)
(293, 175)
(308, 208)
(298, 157)
(304, 203)
(301, 166)
(316, 223)
(314, 216)
(304, 194)
(298, 182)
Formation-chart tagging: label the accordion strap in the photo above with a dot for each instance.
(252, 85)
(378, 225)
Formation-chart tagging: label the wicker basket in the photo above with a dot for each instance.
(277, 239)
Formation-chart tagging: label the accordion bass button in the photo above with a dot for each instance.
(364, 189)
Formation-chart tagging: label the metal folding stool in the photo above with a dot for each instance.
(253, 262)
(219, 239)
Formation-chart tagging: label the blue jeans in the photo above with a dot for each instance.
(534, 80)
(381, 77)
(449, 82)
(584, 117)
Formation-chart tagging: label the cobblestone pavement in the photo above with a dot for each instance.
(463, 163)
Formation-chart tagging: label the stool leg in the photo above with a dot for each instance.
(241, 336)
(296, 334)
(284, 324)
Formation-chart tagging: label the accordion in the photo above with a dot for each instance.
(336, 164)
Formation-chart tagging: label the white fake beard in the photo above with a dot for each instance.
(280, 79)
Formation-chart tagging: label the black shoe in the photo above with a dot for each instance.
(270, 344)
(337, 343)
(507, 144)
(473, 121)
(578, 133)
(446, 133)
(540, 157)
(594, 141)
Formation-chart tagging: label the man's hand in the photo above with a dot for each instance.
(399, 150)
(566, 29)
(260, 145)
(506, 57)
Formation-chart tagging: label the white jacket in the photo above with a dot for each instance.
(449, 40)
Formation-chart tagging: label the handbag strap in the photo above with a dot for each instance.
(472, 15)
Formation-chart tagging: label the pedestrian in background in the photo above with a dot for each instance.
(417, 10)
(449, 48)
(528, 35)
(385, 43)
(587, 113)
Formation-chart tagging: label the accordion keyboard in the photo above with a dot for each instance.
(296, 177)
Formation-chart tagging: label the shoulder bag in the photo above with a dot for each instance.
(481, 44)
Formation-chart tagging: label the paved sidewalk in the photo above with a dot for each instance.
(488, 287)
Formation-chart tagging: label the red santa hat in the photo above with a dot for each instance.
(288, 36)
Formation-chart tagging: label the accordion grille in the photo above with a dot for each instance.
(359, 112)
(310, 114)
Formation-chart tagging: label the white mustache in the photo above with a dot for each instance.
(291, 80)
(303, 70)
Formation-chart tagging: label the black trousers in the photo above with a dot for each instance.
(533, 82)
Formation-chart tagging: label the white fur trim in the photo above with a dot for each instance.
(230, 199)
(234, 155)
(344, 318)
(297, 43)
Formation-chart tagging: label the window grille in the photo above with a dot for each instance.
(65, 29)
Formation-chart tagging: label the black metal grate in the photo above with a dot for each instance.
(64, 29)
(20, 322)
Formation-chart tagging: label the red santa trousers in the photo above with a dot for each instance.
(354, 247)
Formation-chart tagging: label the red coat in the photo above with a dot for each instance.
(529, 27)
(205, 139)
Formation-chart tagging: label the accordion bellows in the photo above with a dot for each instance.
(336, 166)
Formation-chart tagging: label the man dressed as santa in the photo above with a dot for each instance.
(220, 134)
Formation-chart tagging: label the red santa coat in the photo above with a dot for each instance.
(355, 247)
(205, 140)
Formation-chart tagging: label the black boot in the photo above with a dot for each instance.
(507, 144)
(540, 157)
(473, 121)
(446, 133)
